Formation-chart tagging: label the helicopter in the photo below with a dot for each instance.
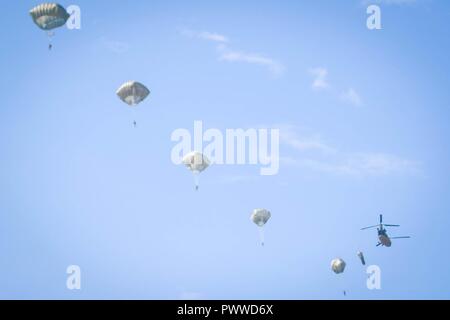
(383, 237)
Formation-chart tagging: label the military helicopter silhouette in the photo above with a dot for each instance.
(383, 237)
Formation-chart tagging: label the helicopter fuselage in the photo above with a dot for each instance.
(384, 238)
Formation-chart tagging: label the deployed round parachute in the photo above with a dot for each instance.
(196, 162)
(338, 265)
(132, 93)
(260, 218)
(49, 16)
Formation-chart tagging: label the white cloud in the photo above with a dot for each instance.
(304, 141)
(381, 164)
(320, 77)
(352, 97)
(213, 37)
(237, 178)
(362, 164)
(320, 82)
(115, 46)
(253, 58)
(313, 153)
(230, 55)
(205, 35)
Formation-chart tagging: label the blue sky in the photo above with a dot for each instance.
(364, 124)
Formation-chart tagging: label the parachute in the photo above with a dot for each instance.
(260, 218)
(361, 257)
(197, 162)
(338, 265)
(49, 16)
(133, 93)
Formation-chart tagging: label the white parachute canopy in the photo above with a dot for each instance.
(48, 16)
(338, 265)
(260, 218)
(197, 162)
(133, 92)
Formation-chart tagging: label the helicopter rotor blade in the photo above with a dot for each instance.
(404, 237)
(381, 218)
(391, 225)
(377, 225)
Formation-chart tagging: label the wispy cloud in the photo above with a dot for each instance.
(320, 82)
(320, 77)
(213, 37)
(115, 46)
(228, 54)
(361, 164)
(352, 97)
(312, 153)
(381, 164)
(304, 141)
(205, 35)
(237, 178)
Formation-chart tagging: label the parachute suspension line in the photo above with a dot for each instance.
(261, 235)
(133, 113)
(196, 179)
(134, 106)
(50, 34)
(342, 284)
